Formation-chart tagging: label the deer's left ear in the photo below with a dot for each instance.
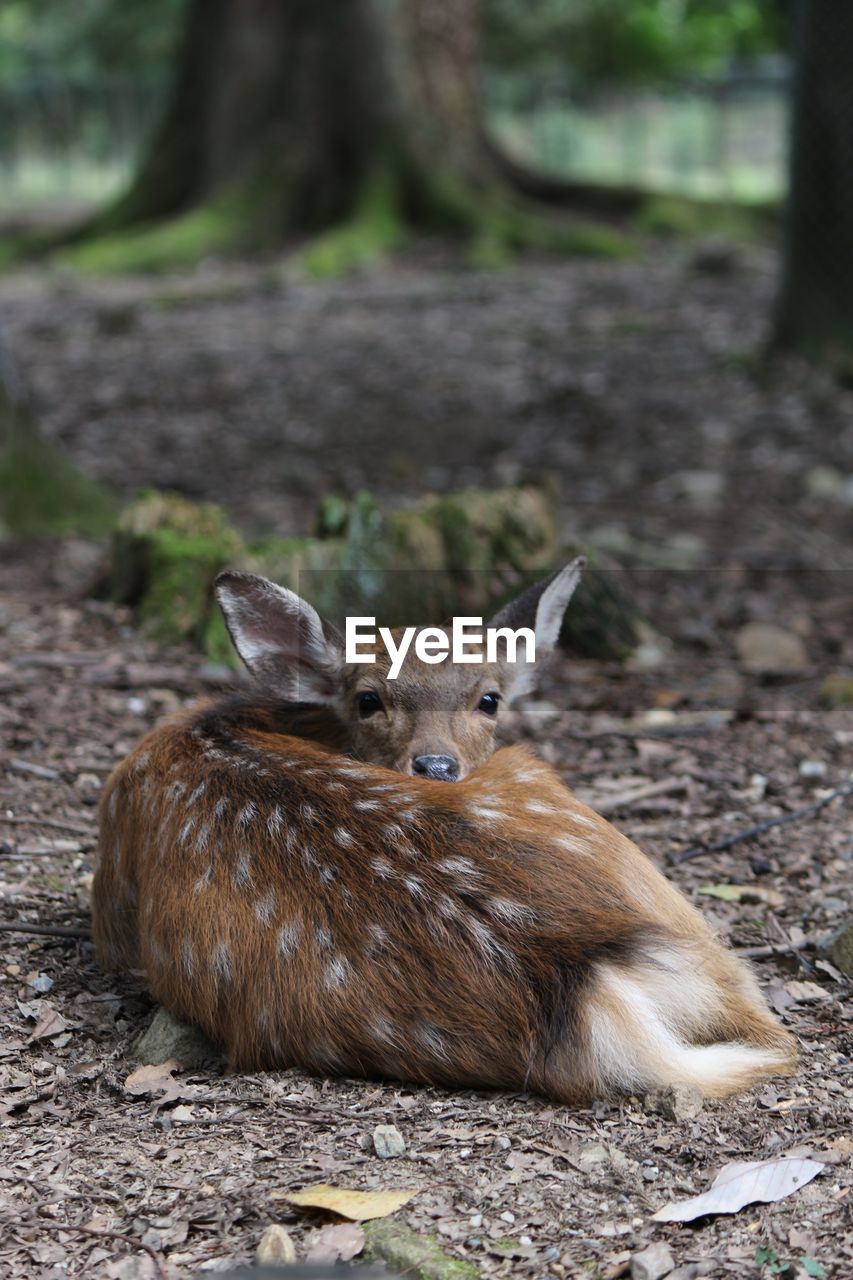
(540, 609)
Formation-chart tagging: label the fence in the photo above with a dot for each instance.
(65, 141)
(724, 139)
(74, 143)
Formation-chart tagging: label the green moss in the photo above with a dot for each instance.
(42, 493)
(162, 246)
(411, 1254)
(682, 216)
(375, 230)
(178, 602)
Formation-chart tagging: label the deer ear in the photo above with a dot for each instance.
(540, 608)
(282, 640)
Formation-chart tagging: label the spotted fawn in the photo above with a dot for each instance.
(295, 875)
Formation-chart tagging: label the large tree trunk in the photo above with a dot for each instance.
(289, 109)
(815, 312)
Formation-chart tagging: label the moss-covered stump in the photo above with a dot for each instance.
(459, 553)
(167, 552)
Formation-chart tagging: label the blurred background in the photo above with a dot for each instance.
(275, 255)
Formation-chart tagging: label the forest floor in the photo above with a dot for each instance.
(718, 481)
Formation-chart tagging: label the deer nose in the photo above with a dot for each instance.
(445, 768)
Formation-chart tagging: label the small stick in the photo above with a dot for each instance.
(58, 824)
(771, 950)
(727, 842)
(38, 1225)
(46, 930)
(625, 799)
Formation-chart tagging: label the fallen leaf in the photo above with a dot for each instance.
(743, 893)
(740, 1184)
(155, 1079)
(728, 892)
(359, 1206)
(334, 1244)
(804, 992)
(50, 1023)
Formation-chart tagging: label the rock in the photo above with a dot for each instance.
(388, 1141)
(770, 650)
(716, 256)
(168, 1038)
(811, 769)
(652, 1263)
(275, 1249)
(692, 1270)
(839, 948)
(828, 484)
(704, 488)
(415, 1255)
(677, 1102)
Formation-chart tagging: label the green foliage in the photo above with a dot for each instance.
(620, 41)
(375, 229)
(179, 242)
(39, 37)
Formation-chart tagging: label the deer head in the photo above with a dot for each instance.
(400, 709)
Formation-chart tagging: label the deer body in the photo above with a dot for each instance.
(307, 908)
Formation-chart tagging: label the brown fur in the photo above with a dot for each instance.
(307, 909)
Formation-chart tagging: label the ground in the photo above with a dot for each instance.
(718, 481)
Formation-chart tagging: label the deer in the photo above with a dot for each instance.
(339, 872)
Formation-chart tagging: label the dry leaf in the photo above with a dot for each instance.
(50, 1023)
(743, 893)
(358, 1206)
(741, 1184)
(334, 1244)
(804, 992)
(155, 1079)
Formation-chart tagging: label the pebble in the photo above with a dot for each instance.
(812, 769)
(652, 1263)
(275, 1248)
(767, 649)
(388, 1141)
(676, 1102)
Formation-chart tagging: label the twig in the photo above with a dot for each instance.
(39, 1225)
(58, 824)
(625, 799)
(771, 950)
(34, 770)
(46, 930)
(727, 842)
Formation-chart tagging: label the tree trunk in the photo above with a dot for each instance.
(288, 110)
(815, 310)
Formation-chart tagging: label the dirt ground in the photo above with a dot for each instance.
(718, 483)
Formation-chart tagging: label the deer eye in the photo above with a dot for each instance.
(368, 703)
(488, 704)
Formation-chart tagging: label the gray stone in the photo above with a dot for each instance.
(652, 1263)
(839, 948)
(676, 1102)
(388, 1141)
(168, 1038)
(767, 649)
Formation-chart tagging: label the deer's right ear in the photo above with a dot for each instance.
(282, 640)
